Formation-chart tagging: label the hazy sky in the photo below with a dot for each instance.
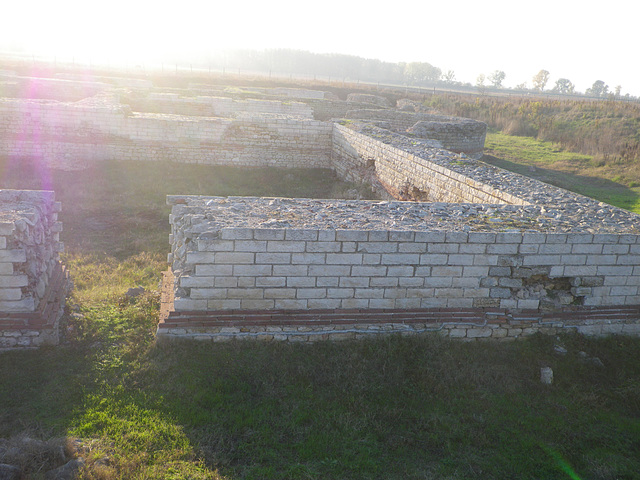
(581, 41)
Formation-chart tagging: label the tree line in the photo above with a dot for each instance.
(563, 86)
(416, 74)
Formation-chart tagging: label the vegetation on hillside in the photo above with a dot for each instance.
(607, 130)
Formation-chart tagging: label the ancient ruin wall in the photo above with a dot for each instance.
(70, 135)
(351, 260)
(32, 281)
(407, 169)
(516, 257)
(460, 135)
(211, 106)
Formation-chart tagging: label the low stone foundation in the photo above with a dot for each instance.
(33, 282)
(311, 325)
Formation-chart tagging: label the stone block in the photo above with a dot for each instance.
(307, 258)
(411, 281)
(324, 247)
(555, 249)
(323, 303)
(480, 332)
(290, 270)
(613, 270)
(268, 234)
(430, 237)
(500, 292)
(439, 271)
(412, 247)
(459, 259)
(473, 248)
(443, 248)
(399, 236)
(485, 260)
(291, 304)
(215, 245)
(412, 302)
(301, 282)
(221, 282)
(285, 246)
(378, 236)
(354, 303)
(628, 260)
(273, 258)
(250, 246)
(8, 281)
(181, 304)
(352, 236)
(242, 293)
(344, 258)
(331, 270)
(14, 256)
(236, 234)
(213, 270)
(232, 258)
(270, 282)
(503, 248)
(302, 234)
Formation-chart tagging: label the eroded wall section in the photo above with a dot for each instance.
(33, 283)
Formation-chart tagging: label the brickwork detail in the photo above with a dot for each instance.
(33, 283)
(70, 135)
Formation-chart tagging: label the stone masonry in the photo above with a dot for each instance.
(457, 246)
(511, 257)
(33, 283)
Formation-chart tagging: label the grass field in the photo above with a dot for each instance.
(393, 408)
(615, 183)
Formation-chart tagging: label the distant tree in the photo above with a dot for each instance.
(480, 83)
(522, 86)
(564, 86)
(497, 77)
(598, 89)
(618, 90)
(449, 77)
(420, 73)
(540, 80)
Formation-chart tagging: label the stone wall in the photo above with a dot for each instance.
(212, 106)
(512, 256)
(69, 135)
(408, 169)
(33, 283)
(368, 98)
(364, 262)
(460, 135)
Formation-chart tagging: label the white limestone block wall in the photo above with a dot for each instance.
(404, 174)
(71, 135)
(32, 281)
(256, 267)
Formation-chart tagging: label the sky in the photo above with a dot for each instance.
(580, 41)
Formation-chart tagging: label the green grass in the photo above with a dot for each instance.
(613, 183)
(393, 407)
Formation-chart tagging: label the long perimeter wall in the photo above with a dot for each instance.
(72, 135)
